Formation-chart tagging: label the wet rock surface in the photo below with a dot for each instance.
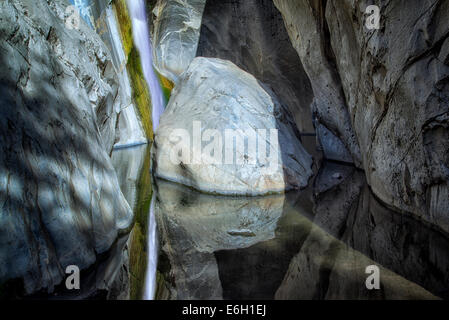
(176, 30)
(220, 97)
(62, 204)
(308, 33)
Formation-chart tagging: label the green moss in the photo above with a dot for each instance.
(141, 94)
(166, 85)
(121, 12)
(138, 250)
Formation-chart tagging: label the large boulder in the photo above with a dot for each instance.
(61, 202)
(176, 30)
(214, 101)
(394, 82)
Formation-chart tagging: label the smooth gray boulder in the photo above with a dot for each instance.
(61, 201)
(176, 30)
(214, 104)
(394, 84)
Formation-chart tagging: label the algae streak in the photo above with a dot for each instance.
(138, 249)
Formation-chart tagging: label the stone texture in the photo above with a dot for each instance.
(221, 96)
(308, 33)
(176, 29)
(393, 82)
(333, 148)
(61, 202)
(252, 35)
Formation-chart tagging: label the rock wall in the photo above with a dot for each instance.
(252, 35)
(129, 129)
(385, 90)
(62, 203)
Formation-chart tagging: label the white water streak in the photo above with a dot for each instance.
(142, 40)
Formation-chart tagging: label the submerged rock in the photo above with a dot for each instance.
(408, 247)
(213, 102)
(175, 35)
(61, 202)
(192, 226)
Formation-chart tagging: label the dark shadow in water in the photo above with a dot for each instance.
(397, 241)
(346, 209)
(256, 272)
(324, 239)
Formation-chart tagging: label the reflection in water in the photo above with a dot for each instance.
(150, 280)
(133, 171)
(313, 244)
(193, 226)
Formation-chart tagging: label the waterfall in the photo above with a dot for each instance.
(142, 41)
(150, 279)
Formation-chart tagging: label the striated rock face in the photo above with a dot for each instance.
(213, 103)
(176, 31)
(393, 83)
(252, 35)
(129, 130)
(308, 33)
(61, 202)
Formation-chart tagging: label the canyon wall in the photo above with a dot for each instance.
(385, 90)
(252, 35)
(61, 202)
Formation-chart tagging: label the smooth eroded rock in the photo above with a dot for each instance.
(213, 103)
(392, 84)
(175, 35)
(61, 202)
(252, 35)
